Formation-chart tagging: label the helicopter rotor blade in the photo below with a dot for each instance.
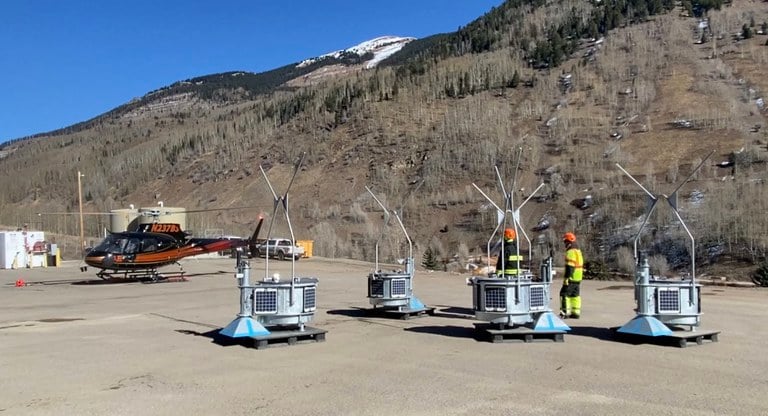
(192, 211)
(39, 214)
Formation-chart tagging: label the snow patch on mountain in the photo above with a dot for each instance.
(381, 48)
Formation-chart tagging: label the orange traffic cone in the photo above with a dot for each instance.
(20, 283)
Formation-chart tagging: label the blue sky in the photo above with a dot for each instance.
(66, 61)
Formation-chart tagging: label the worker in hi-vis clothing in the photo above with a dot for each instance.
(509, 260)
(570, 298)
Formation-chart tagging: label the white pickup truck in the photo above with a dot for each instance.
(280, 248)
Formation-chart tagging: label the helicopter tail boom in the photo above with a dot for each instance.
(255, 237)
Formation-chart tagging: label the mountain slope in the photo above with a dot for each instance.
(445, 110)
(376, 50)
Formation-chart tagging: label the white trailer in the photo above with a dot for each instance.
(16, 249)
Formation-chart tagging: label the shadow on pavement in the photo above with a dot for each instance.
(171, 278)
(76, 282)
(454, 312)
(603, 334)
(95, 282)
(219, 339)
(610, 334)
(110, 281)
(447, 331)
(352, 313)
(617, 287)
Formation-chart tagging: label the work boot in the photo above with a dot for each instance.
(563, 315)
(574, 316)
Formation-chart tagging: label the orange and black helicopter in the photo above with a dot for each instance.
(138, 254)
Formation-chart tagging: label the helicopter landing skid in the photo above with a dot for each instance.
(143, 275)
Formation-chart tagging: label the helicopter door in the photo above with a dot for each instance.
(132, 247)
(149, 245)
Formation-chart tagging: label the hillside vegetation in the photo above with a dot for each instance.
(578, 86)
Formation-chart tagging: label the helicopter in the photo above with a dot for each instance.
(138, 254)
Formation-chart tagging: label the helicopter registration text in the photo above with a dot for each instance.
(165, 228)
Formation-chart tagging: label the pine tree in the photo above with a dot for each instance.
(760, 276)
(450, 90)
(557, 54)
(515, 80)
(592, 30)
(746, 32)
(429, 260)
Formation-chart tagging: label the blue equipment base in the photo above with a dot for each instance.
(405, 312)
(525, 334)
(646, 326)
(415, 303)
(244, 326)
(415, 308)
(678, 337)
(289, 336)
(549, 322)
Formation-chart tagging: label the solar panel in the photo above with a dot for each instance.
(537, 298)
(377, 288)
(399, 288)
(310, 294)
(495, 299)
(264, 300)
(668, 299)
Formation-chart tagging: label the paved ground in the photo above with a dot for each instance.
(138, 349)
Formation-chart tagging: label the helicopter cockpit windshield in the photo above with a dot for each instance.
(117, 244)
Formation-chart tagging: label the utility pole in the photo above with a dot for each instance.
(80, 201)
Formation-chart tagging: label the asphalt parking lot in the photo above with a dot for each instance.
(147, 349)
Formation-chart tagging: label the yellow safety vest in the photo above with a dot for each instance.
(512, 260)
(573, 258)
(511, 264)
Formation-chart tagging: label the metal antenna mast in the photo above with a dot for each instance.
(393, 291)
(278, 202)
(397, 215)
(515, 303)
(272, 309)
(664, 303)
(672, 201)
(509, 208)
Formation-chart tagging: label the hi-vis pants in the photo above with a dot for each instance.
(570, 299)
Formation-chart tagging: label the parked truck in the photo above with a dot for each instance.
(281, 248)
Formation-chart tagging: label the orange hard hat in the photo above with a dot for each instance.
(569, 237)
(509, 234)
